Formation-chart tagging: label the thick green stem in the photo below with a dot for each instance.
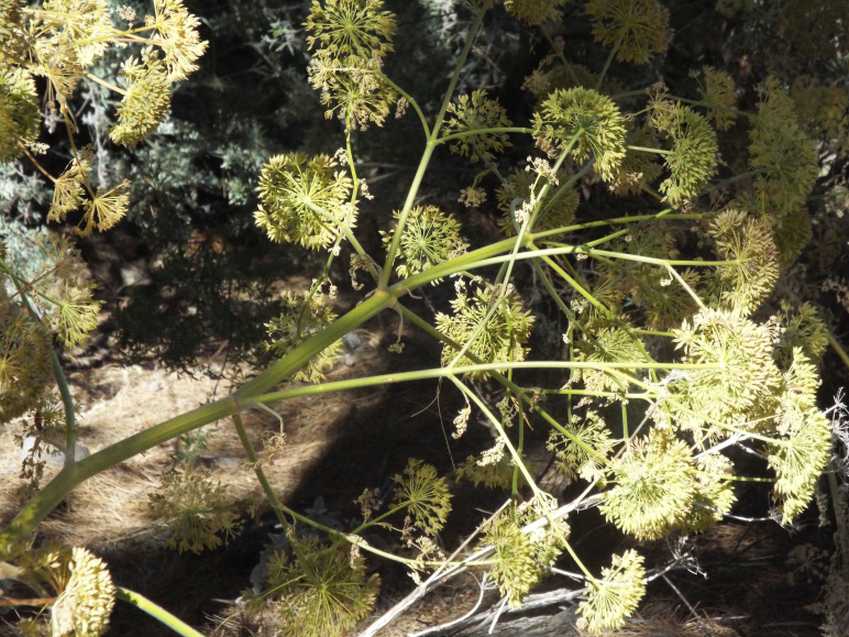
(157, 612)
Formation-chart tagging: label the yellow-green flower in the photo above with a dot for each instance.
(613, 598)
(748, 244)
(301, 316)
(534, 12)
(472, 112)
(521, 558)
(719, 95)
(555, 212)
(84, 606)
(780, 152)
(655, 483)
(694, 156)
(177, 36)
(588, 123)
(195, 508)
(68, 190)
(504, 336)
(357, 28)
(424, 494)
(146, 102)
(584, 459)
(25, 371)
(429, 237)
(321, 590)
(638, 29)
(20, 117)
(304, 200)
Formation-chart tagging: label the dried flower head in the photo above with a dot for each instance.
(146, 102)
(693, 159)
(534, 12)
(20, 118)
(323, 590)
(637, 29)
(429, 237)
(198, 513)
(780, 152)
(84, 606)
(425, 496)
(83, 25)
(613, 598)
(55, 59)
(105, 209)
(69, 190)
(504, 336)
(586, 122)
(655, 485)
(304, 200)
(476, 111)
(301, 316)
(357, 28)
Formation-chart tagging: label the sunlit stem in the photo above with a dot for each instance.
(517, 459)
(412, 101)
(485, 131)
(281, 510)
(156, 611)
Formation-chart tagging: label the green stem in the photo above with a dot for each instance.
(838, 349)
(68, 405)
(395, 243)
(413, 103)
(247, 445)
(61, 383)
(517, 459)
(607, 64)
(654, 151)
(485, 131)
(157, 612)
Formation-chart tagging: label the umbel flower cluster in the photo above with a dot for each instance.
(60, 43)
(84, 592)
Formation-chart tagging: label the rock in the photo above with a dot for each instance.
(51, 455)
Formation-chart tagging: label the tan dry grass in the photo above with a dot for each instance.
(111, 508)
